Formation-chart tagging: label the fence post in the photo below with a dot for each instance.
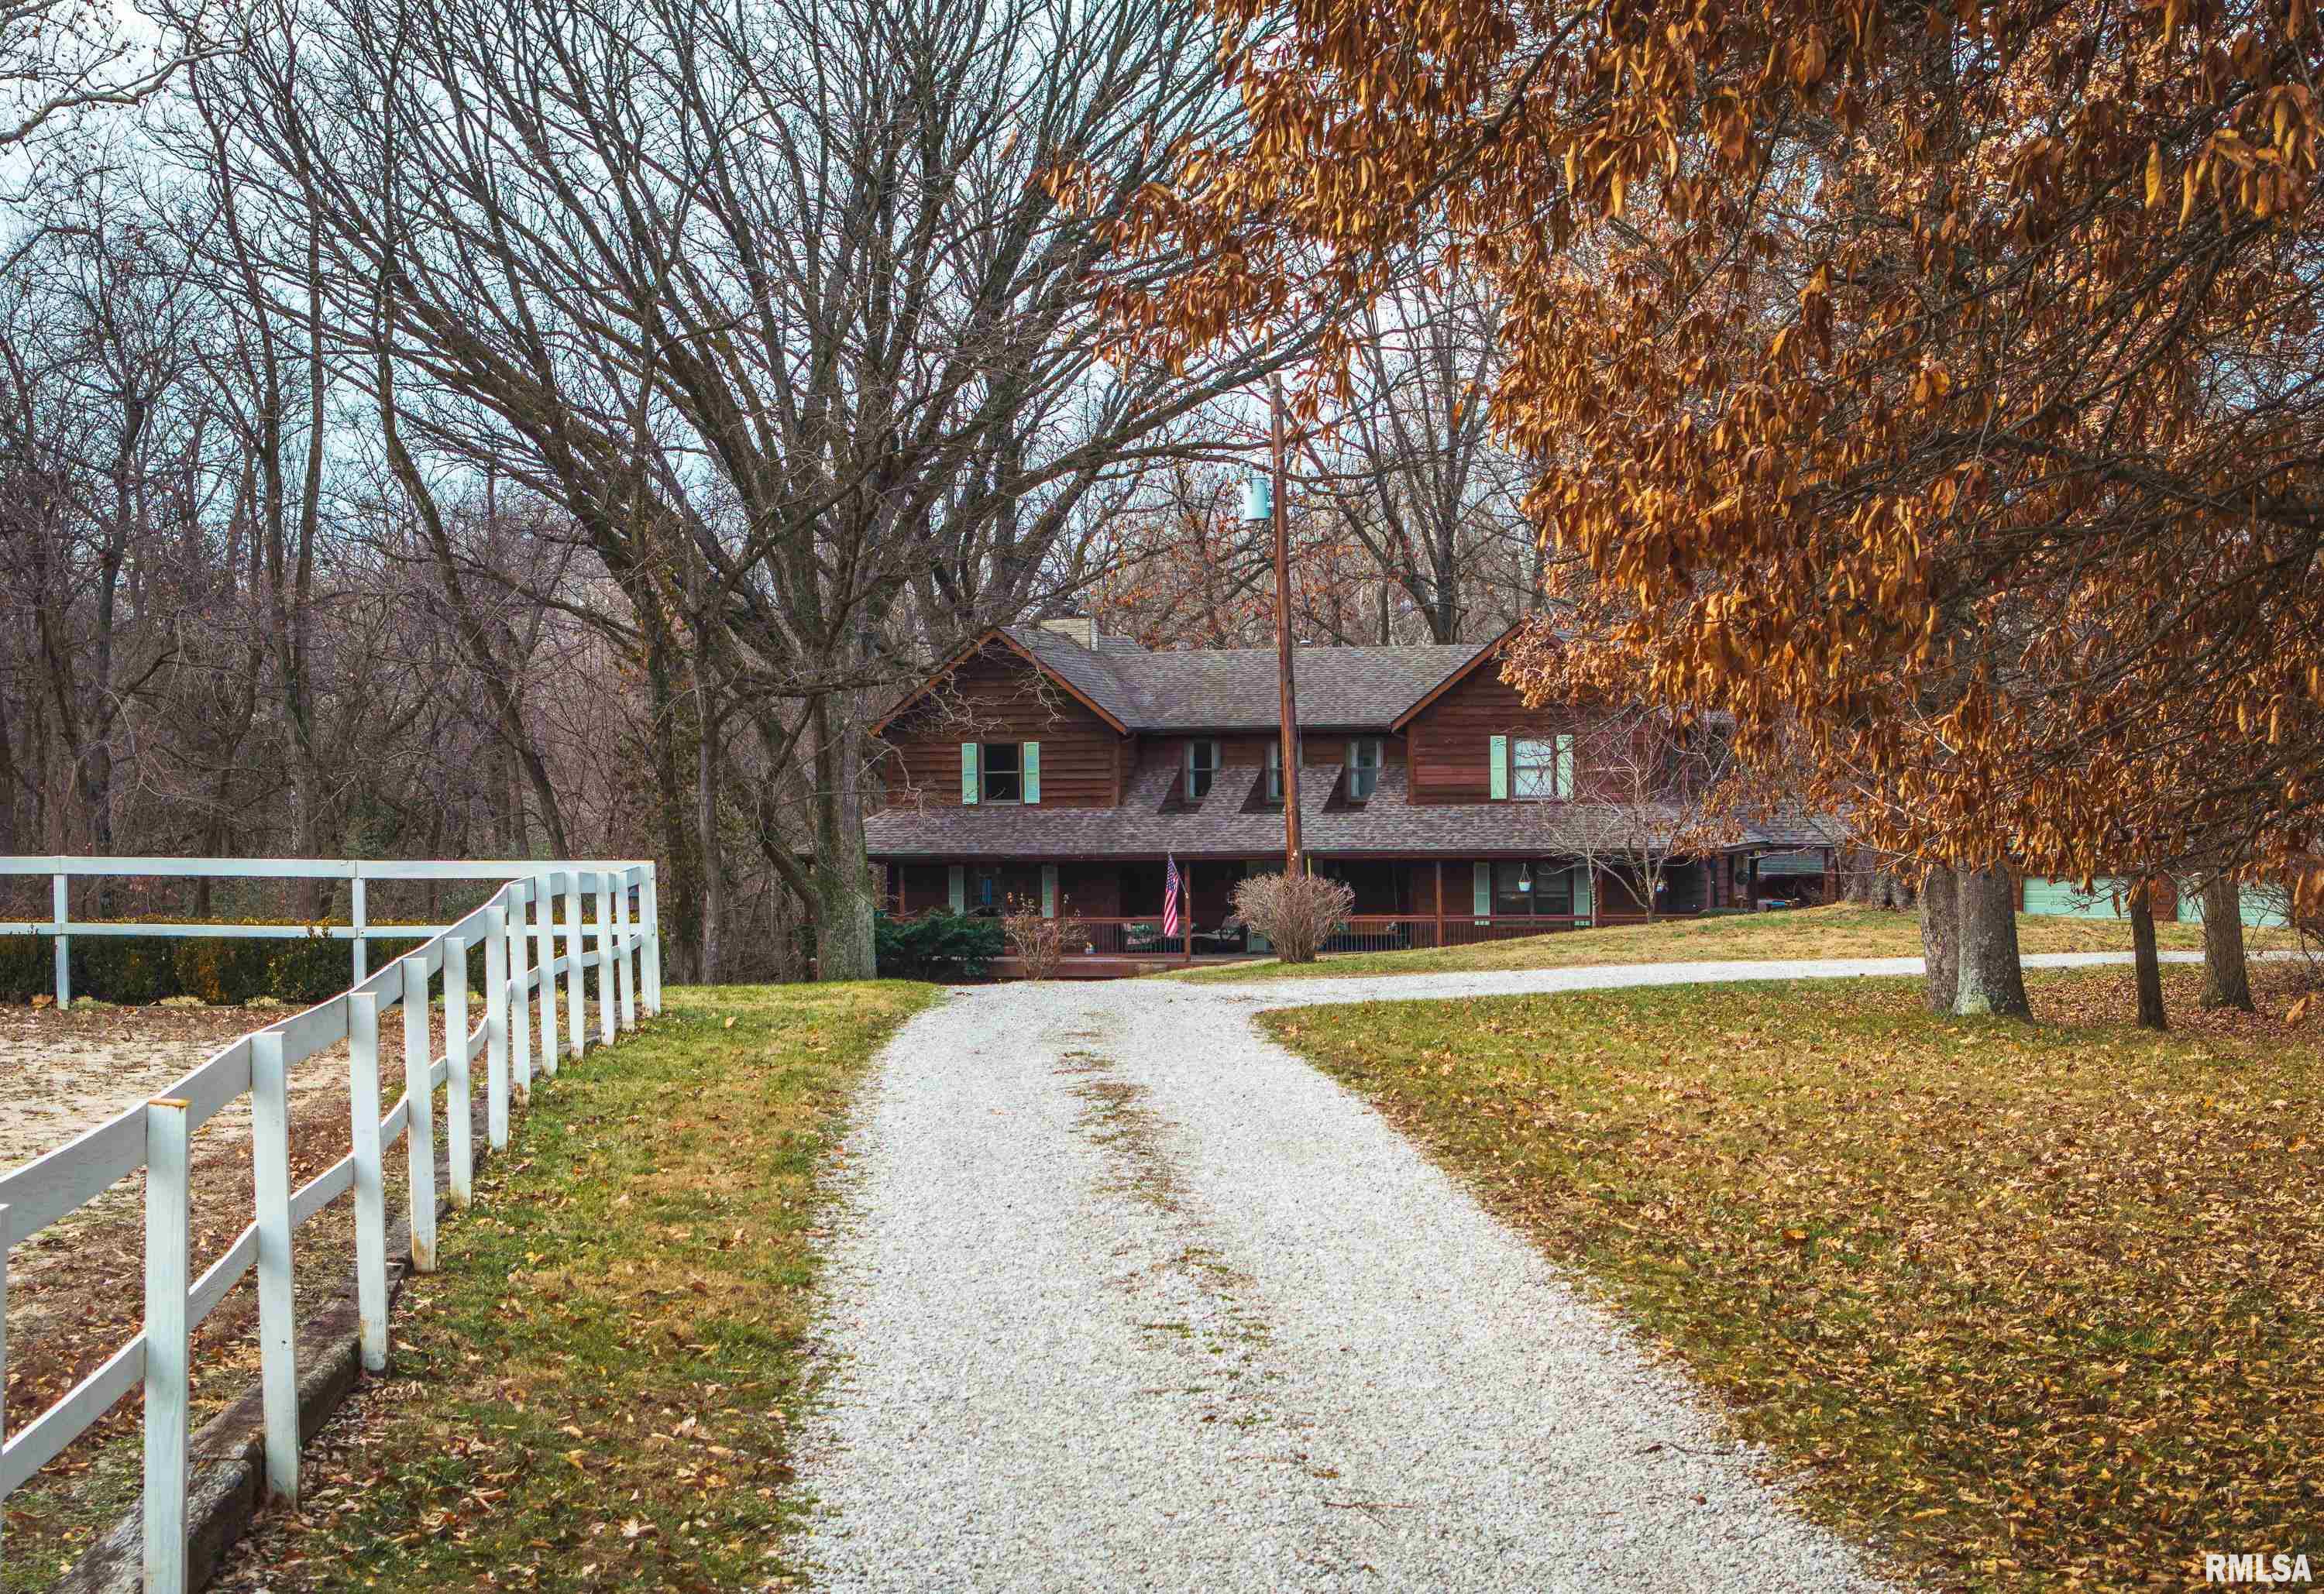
(168, 1239)
(356, 918)
(625, 941)
(278, 1322)
(60, 906)
(608, 953)
(496, 1027)
(371, 1192)
(420, 1117)
(460, 1154)
(520, 996)
(650, 908)
(544, 931)
(576, 1010)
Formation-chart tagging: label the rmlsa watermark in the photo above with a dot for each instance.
(2254, 1568)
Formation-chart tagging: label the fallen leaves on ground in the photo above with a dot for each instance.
(2035, 1305)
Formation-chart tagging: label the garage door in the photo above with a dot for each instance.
(2067, 900)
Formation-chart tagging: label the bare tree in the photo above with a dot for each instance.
(60, 59)
(1648, 791)
(1413, 473)
(795, 284)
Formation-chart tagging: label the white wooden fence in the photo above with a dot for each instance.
(523, 961)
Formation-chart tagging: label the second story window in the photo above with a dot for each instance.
(1541, 767)
(1001, 767)
(1000, 773)
(1363, 768)
(1202, 769)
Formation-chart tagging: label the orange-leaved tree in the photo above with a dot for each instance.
(1933, 389)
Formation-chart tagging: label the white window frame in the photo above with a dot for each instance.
(1360, 789)
(1556, 762)
(1275, 770)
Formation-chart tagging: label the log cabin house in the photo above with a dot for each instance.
(1051, 763)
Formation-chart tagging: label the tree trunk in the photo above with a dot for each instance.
(1863, 875)
(2143, 954)
(842, 873)
(2227, 980)
(714, 855)
(1941, 937)
(682, 889)
(1992, 979)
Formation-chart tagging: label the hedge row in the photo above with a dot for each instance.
(221, 970)
(934, 945)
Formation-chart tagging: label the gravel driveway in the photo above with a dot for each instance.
(1128, 1297)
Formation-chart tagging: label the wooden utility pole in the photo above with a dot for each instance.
(1287, 686)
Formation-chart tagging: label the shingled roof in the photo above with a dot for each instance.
(1234, 689)
(1153, 820)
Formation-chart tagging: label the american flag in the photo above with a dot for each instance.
(1170, 901)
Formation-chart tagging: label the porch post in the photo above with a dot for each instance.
(1440, 904)
(1186, 919)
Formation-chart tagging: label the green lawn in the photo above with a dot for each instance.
(596, 1390)
(1802, 932)
(2035, 1305)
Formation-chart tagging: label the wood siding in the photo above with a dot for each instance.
(999, 696)
(1452, 740)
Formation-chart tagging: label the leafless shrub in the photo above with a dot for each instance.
(1039, 942)
(1298, 913)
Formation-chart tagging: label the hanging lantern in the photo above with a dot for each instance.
(1258, 499)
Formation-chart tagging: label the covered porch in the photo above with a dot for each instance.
(1117, 902)
(1400, 904)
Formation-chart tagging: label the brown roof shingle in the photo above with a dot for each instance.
(1234, 689)
(1227, 824)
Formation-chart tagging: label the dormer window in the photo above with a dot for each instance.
(1202, 769)
(1363, 768)
(1275, 771)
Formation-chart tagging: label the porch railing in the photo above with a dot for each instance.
(1133, 936)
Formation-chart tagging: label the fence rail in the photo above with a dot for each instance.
(522, 965)
(356, 872)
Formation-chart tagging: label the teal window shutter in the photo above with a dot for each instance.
(1031, 765)
(1582, 903)
(971, 787)
(1500, 752)
(956, 882)
(1565, 766)
(1482, 890)
(1048, 890)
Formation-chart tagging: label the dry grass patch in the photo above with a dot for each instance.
(1801, 933)
(596, 1390)
(2037, 1305)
